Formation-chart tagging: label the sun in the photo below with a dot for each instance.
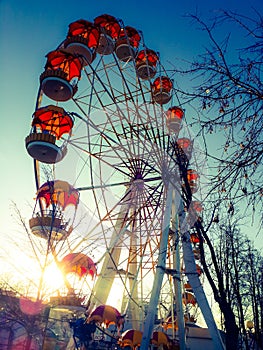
(53, 278)
(25, 272)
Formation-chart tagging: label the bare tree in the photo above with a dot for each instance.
(226, 95)
(215, 277)
(233, 268)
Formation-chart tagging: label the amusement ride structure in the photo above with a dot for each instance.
(117, 186)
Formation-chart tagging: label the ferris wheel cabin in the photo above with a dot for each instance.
(49, 227)
(48, 125)
(82, 40)
(192, 178)
(109, 31)
(43, 148)
(53, 198)
(62, 72)
(146, 62)
(185, 147)
(174, 116)
(161, 90)
(127, 44)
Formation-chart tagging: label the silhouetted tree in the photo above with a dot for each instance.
(233, 268)
(226, 95)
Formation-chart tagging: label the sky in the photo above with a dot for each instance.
(30, 29)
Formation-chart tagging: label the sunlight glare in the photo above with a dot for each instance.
(53, 278)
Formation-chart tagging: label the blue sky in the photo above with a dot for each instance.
(30, 29)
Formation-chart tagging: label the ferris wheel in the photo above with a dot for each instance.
(109, 125)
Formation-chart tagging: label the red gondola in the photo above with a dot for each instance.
(161, 90)
(160, 338)
(192, 178)
(174, 116)
(48, 125)
(62, 72)
(109, 31)
(127, 43)
(131, 338)
(185, 147)
(79, 264)
(197, 206)
(82, 40)
(146, 62)
(107, 315)
(194, 213)
(54, 197)
(194, 238)
(59, 193)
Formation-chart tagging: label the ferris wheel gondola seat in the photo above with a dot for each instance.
(145, 71)
(162, 97)
(62, 72)
(49, 227)
(110, 25)
(78, 46)
(106, 45)
(107, 315)
(82, 40)
(124, 51)
(79, 264)
(161, 90)
(185, 147)
(58, 193)
(194, 239)
(174, 116)
(55, 85)
(127, 44)
(49, 124)
(130, 338)
(146, 62)
(192, 178)
(42, 147)
(160, 338)
(109, 31)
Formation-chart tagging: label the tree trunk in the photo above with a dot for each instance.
(232, 331)
(231, 328)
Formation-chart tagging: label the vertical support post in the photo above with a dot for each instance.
(177, 278)
(108, 271)
(160, 268)
(158, 279)
(190, 267)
